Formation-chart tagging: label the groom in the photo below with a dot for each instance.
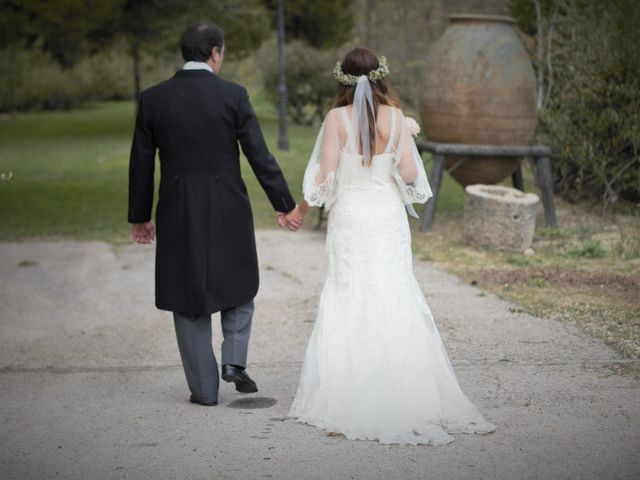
(206, 258)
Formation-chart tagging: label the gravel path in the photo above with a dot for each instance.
(91, 385)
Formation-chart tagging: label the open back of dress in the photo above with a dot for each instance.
(335, 157)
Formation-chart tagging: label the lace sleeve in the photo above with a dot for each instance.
(320, 178)
(408, 170)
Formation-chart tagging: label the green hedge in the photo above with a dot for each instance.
(310, 84)
(31, 80)
(593, 118)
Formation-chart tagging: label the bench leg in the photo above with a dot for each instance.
(543, 167)
(320, 218)
(437, 170)
(516, 179)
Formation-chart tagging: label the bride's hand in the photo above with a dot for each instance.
(295, 218)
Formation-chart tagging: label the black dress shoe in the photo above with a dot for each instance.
(242, 380)
(193, 399)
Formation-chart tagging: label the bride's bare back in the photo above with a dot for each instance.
(338, 135)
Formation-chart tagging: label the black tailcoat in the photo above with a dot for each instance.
(206, 254)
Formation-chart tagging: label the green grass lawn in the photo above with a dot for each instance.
(70, 171)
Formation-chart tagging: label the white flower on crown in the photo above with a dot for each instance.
(413, 126)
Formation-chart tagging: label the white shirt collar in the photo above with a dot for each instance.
(190, 65)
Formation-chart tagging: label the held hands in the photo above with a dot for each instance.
(295, 218)
(143, 233)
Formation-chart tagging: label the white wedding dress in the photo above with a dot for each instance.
(375, 367)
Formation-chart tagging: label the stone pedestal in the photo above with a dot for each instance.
(500, 217)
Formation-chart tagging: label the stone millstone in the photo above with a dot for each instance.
(501, 217)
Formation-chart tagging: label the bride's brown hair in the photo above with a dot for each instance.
(360, 61)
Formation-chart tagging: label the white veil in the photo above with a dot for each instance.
(323, 174)
(359, 118)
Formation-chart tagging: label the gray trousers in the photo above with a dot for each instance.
(193, 332)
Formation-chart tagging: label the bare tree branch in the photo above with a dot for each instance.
(551, 23)
(611, 194)
(540, 55)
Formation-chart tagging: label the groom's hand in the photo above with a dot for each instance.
(143, 233)
(282, 222)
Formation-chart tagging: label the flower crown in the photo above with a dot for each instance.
(373, 75)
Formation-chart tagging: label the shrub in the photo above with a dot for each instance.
(593, 118)
(32, 80)
(589, 249)
(310, 85)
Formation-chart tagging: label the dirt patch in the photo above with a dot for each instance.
(624, 287)
(624, 369)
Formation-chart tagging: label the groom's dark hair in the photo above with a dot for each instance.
(199, 39)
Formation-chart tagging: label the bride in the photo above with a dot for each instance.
(375, 367)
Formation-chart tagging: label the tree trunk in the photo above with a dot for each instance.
(368, 10)
(135, 53)
(283, 140)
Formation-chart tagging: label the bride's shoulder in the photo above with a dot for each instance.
(391, 108)
(386, 114)
(334, 112)
(333, 116)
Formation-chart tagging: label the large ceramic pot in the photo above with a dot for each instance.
(479, 88)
